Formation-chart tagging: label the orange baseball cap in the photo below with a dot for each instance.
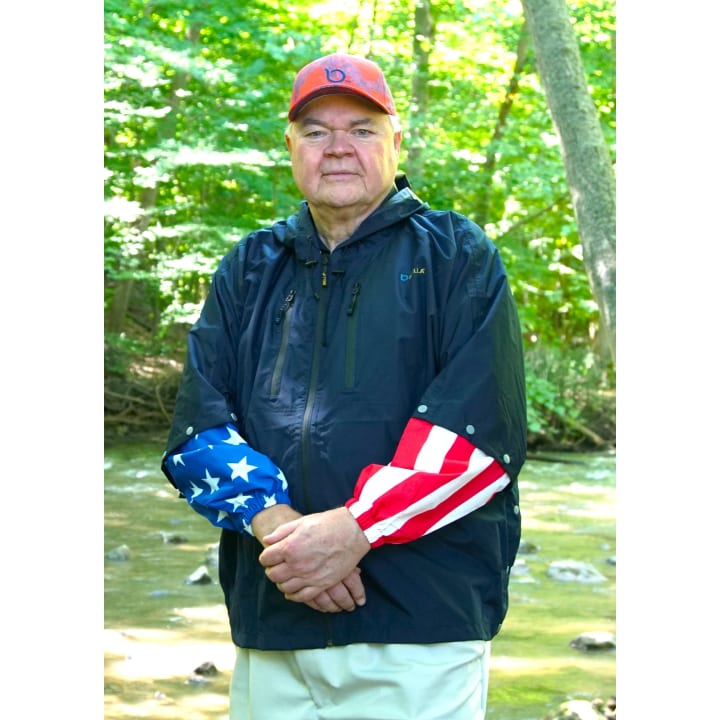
(343, 74)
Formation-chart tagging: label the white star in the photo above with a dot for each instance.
(178, 459)
(241, 469)
(270, 501)
(239, 500)
(196, 491)
(234, 438)
(248, 528)
(281, 478)
(221, 516)
(213, 482)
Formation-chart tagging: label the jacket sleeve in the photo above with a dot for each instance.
(466, 441)
(224, 479)
(434, 478)
(206, 459)
(205, 397)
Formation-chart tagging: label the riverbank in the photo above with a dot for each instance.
(139, 401)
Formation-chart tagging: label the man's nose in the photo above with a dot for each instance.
(339, 142)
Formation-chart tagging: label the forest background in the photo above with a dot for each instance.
(196, 97)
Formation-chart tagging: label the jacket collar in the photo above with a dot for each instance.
(399, 204)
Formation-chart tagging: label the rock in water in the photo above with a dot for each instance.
(199, 577)
(590, 641)
(207, 669)
(574, 571)
(121, 552)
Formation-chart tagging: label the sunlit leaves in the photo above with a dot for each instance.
(195, 107)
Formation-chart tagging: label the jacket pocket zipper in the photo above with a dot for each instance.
(283, 317)
(350, 346)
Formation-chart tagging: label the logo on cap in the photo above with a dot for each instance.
(335, 75)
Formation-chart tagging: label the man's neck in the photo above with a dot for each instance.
(335, 225)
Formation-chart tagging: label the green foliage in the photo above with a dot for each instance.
(570, 399)
(195, 108)
(119, 353)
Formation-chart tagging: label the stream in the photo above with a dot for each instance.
(161, 629)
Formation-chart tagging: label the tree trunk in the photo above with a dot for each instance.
(588, 167)
(422, 44)
(521, 52)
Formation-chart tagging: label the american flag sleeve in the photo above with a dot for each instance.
(435, 477)
(224, 479)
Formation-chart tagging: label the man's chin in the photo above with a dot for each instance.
(340, 199)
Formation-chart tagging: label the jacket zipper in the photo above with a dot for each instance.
(283, 317)
(351, 337)
(322, 298)
(320, 342)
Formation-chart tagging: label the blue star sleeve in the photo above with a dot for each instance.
(224, 479)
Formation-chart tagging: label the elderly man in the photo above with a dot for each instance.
(352, 415)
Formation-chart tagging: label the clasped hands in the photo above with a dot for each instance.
(313, 559)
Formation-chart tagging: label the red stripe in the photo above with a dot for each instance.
(457, 458)
(411, 443)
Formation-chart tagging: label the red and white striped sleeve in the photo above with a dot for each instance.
(435, 477)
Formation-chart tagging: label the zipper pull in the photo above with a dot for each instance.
(353, 298)
(323, 271)
(285, 306)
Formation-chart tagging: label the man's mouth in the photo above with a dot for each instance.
(339, 173)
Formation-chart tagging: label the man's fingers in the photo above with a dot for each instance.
(342, 597)
(345, 595)
(354, 586)
(303, 595)
(292, 586)
(324, 603)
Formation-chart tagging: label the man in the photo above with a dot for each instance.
(352, 415)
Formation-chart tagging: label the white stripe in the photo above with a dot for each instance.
(383, 480)
(436, 446)
(372, 534)
(472, 503)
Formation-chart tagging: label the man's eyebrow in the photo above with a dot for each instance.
(353, 123)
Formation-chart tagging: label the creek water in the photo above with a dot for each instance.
(160, 628)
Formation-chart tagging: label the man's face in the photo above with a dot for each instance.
(344, 154)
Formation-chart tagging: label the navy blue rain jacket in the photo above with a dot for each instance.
(320, 359)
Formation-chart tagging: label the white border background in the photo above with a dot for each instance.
(52, 351)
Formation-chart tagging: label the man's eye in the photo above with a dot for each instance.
(362, 132)
(314, 133)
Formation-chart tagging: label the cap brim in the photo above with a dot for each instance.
(331, 90)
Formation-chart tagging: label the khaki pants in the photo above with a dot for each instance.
(442, 681)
